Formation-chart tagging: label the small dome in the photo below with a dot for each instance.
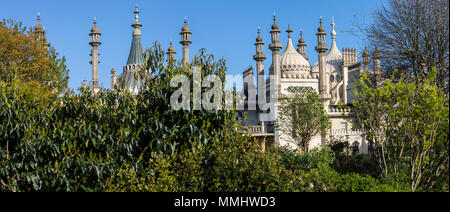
(38, 26)
(95, 29)
(185, 28)
(275, 26)
(366, 53)
(321, 29)
(291, 60)
(171, 49)
(301, 40)
(259, 38)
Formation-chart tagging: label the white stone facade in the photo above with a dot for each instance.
(296, 73)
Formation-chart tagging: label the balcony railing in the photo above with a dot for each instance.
(344, 132)
(258, 129)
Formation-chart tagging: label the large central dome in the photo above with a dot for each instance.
(291, 60)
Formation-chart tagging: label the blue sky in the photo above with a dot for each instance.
(225, 28)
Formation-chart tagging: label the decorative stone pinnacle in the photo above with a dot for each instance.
(136, 12)
(333, 32)
(289, 31)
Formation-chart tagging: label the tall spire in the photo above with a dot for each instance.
(185, 41)
(322, 48)
(95, 43)
(136, 55)
(276, 47)
(132, 81)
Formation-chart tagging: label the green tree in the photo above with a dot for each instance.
(31, 62)
(302, 117)
(408, 123)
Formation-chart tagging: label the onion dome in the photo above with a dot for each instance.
(259, 38)
(171, 48)
(301, 40)
(185, 27)
(291, 60)
(321, 29)
(95, 29)
(275, 25)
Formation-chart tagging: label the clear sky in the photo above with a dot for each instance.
(225, 28)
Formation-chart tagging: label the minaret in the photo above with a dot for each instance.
(113, 79)
(185, 41)
(259, 57)
(322, 48)
(171, 53)
(130, 77)
(136, 54)
(302, 46)
(366, 59)
(276, 47)
(95, 42)
(38, 29)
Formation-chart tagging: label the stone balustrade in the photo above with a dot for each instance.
(344, 132)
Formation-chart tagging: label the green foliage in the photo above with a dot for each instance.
(317, 174)
(31, 62)
(408, 122)
(302, 116)
(353, 163)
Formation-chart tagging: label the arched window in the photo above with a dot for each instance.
(355, 147)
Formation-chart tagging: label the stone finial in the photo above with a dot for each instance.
(289, 31)
(136, 25)
(333, 32)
